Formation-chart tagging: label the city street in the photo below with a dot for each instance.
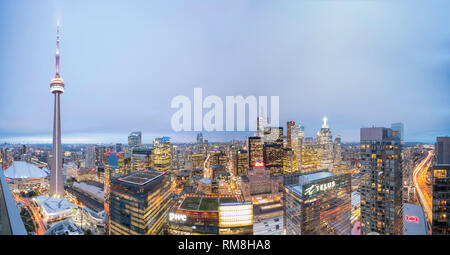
(422, 188)
(40, 227)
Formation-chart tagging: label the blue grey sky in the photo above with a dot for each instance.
(360, 63)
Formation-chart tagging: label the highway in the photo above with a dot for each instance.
(424, 191)
(40, 227)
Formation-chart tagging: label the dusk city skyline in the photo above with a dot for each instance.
(360, 64)
(270, 121)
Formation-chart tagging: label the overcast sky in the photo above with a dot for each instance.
(360, 63)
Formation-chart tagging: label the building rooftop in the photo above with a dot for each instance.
(52, 205)
(205, 204)
(308, 178)
(356, 198)
(414, 221)
(66, 227)
(24, 170)
(90, 189)
(206, 181)
(141, 178)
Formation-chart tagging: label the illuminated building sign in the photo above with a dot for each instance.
(236, 215)
(177, 217)
(315, 188)
(259, 164)
(412, 218)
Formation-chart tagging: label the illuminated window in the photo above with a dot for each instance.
(440, 173)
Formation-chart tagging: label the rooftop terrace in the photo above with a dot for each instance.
(206, 204)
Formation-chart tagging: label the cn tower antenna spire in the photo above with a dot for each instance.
(57, 50)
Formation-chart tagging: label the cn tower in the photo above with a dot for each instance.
(57, 88)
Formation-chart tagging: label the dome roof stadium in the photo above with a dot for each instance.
(24, 170)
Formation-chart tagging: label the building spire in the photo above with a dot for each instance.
(324, 125)
(57, 50)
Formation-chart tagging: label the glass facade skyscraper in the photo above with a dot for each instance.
(139, 203)
(141, 159)
(381, 182)
(317, 203)
(135, 139)
(441, 188)
(162, 156)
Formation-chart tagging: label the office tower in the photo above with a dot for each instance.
(325, 147)
(261, 125)
(441, 187)
(442, 150)
(289, 126)
(200, 138)
(241, 162)
(139, 203)
(57, 88)
(141, 159)
(337, 151)
(24, 149)
(100, 152)
(118, 147)
(10, 219)
(162, 156)
(116, 168)
(318, 204)
(219, 159)
(381, 182)
(297, 145)
(398, 130)
(197, 160)
(310, 159)
(135, 139)
(289, 162)
(116, 162)
(273, 149)
(255, 150)
(90, 156)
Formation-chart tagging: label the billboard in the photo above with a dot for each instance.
(236, 214)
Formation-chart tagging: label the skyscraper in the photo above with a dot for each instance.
(325, 147)
(118, 147)
(255, 150)
(141, 159)
(200, 138)
(90, 156)
(289, 125)
(57, 88)
(441, 188)
(317, 203)
(398, 130)
(139, 203)
(273, 149)
(162, 156)
(241, 162)
(297, 145)
(381, 182)
(135, 140)
(337, 151)
(261, 125)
